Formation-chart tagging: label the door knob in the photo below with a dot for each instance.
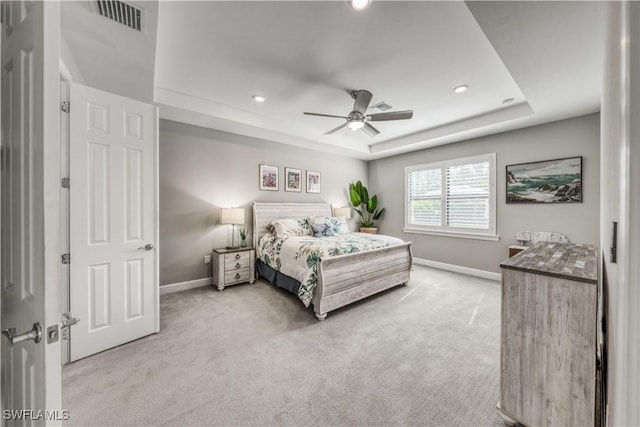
(34, 334)
(146, 247)
(68, 320)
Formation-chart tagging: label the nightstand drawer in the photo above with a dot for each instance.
(242, 258)
(233, 264)
(242, 275)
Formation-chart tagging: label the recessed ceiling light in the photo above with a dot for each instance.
(259, 98)
(508, 101)
(359, 4)
(460, 88)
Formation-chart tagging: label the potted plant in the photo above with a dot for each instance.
(367, 207)
(243, 237)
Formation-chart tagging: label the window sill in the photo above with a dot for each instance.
(474, 236)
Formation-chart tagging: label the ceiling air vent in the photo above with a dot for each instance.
(382, 106)
(120, 12)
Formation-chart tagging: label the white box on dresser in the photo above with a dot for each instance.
(548, 335)
(233, 266)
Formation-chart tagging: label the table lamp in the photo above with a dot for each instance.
(345, 212)
(232, 216)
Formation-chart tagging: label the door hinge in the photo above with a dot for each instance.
(66, 258)
(66, 183)
(65, 106)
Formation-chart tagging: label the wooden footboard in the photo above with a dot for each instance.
(348, 278)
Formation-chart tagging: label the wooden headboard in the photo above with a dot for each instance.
(264, 213)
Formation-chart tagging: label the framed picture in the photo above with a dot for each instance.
(269, 178)
(293, 179)
(549, 181)
(313, 182)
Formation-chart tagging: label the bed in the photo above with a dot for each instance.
(341, 279)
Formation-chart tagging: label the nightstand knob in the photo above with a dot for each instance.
(237, 256)
(238, 265)
(237, 275)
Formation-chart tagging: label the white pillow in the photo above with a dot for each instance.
(289, 227)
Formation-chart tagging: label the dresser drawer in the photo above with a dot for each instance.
(236, 261)
(241, 275)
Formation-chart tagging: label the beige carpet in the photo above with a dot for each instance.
(426, 354)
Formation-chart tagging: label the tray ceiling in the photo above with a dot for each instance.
(210, 58)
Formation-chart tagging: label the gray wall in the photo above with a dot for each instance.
(203, 170)
(574, 137)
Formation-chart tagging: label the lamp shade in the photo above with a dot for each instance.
(232, 216)
(345, 212)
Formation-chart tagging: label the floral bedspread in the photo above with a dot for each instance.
(298, 256)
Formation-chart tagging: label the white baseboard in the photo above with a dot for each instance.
(183, 286)
(458, 269)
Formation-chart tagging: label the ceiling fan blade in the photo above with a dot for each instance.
(325, 115)
(391, 115)
(363, 98)
(370, 130)
(336, 129)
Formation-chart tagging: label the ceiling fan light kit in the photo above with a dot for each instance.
(358, 119)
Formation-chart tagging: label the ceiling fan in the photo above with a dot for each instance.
(358, 119)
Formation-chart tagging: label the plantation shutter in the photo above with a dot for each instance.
(468, 195)
(425, 197)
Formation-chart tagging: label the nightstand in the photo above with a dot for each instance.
(516, 249)
(233, 266)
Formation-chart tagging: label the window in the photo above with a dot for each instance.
(455, 197)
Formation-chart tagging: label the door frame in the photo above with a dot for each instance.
(65, 79)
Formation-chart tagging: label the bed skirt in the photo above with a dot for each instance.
(275, 277)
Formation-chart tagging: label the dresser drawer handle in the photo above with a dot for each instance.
(237, 275)
(238, 265)
(237, 256)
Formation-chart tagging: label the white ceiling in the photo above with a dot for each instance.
(211, 57)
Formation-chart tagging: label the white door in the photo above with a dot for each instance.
(30, 210)
(113, 214)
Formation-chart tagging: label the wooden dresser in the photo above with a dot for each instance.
(548, 335)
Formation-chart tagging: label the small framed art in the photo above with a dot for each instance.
(313, 182)
(293, 179)
(269, 178)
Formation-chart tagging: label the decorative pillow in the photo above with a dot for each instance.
(289, 227)
(334, 225)
(322, 229)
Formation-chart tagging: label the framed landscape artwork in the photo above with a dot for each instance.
(549, 181)
(313, 182)
(268, 178)
(293, 179)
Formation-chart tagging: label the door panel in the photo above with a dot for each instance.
(113, 210)
(30, 204)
